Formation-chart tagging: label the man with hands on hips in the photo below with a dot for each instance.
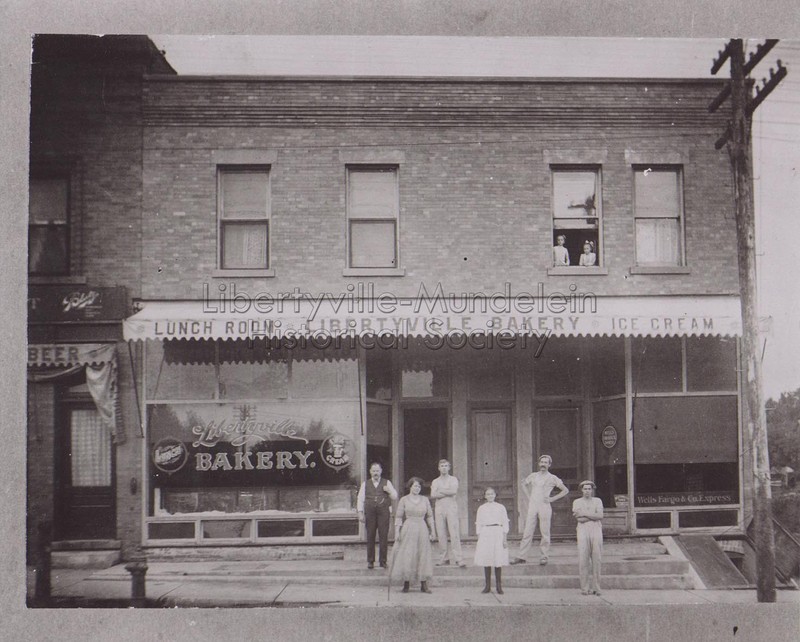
(537, 487)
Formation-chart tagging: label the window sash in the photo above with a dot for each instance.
(372, 194)
(373, 243)
(575, 194)
(245, 245)
(48, 249)
(658, 216)
(244, 194)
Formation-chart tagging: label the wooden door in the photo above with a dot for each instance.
(86, 496)
(491, 461)
(558, 430)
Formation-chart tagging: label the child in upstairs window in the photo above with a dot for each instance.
(560, 252)
(588, 258)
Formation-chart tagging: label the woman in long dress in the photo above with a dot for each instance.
(491, 525)
(413, 557)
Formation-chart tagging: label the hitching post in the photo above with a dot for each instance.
(137, 567)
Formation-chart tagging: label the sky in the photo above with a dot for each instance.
(776, 127)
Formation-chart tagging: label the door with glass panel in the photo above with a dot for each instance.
(85, 498)
(558, 430)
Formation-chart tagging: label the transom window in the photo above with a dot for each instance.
(244, 216)
(658, 208)
(48, 226)
(372, 212)
(576, 217)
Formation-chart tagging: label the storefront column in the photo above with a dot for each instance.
(460, 427)
(523, 412)
(629, 431)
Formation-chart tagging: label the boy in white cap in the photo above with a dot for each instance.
(588, 510)
(537, 487)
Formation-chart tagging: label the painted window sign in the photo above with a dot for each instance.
(266, 444)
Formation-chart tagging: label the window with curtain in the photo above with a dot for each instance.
(90, 449)
(658, 208)
(576, 217)
(372, 213)
(244, 216)
(48, 226)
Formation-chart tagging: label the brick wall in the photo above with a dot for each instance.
(474, 179)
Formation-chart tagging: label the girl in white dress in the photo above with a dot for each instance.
(491, 525)
(588, 258)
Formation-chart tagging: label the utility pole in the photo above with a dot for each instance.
(738, 138)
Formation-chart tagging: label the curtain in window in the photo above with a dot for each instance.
(90, 448)
(245, 246)
(657, 241)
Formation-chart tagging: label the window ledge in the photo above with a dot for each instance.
(660, 269)
(374, 272)
(577, 270)
(57, 280)
(253, 274)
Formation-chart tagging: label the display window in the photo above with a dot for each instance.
(267, 432)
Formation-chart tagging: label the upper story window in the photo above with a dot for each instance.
(244, 216)
(577, 217)
(658, 211)
(372, 213)
(48, 227)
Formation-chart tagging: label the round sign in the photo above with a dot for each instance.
(169, 455)
(609, 436)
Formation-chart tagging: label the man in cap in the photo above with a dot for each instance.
(588, 510)
(538, 486)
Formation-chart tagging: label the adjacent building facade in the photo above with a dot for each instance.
(326, 272)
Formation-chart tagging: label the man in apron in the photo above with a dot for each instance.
(444, 489)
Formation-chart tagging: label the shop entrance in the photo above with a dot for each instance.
(558, 432)
(85, 497)
(424, 443)
(491, 464)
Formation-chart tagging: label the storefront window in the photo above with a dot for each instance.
(494, 381)
(710, 364)
(557, 371)
(657, 364)
(607, 358)
(425, 381)
(610, 452)
(284, 436)
(181, 370)
(379, 374)
(685, 451)
(379, 436)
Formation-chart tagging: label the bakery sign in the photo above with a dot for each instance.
(277, 443)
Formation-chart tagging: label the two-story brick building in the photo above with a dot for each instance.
(333, 271)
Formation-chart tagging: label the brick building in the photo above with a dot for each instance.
(328, 272)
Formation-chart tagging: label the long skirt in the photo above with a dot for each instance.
(413, 558)
(489, 550)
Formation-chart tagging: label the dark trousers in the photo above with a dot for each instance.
(377, 519)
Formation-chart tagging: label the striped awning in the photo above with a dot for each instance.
(598, 316)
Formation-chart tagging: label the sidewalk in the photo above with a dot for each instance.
(219, 584)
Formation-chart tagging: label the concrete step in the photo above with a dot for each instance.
(84, 559)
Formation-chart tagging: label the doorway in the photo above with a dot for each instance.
(491, 462)
(424, 443)
(558, 431)
(85, 471)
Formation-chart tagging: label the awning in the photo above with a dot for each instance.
(52, 362)
(70, 354)
(568, 316)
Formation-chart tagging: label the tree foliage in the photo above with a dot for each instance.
(783, 428)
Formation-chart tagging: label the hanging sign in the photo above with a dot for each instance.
(609, 436)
